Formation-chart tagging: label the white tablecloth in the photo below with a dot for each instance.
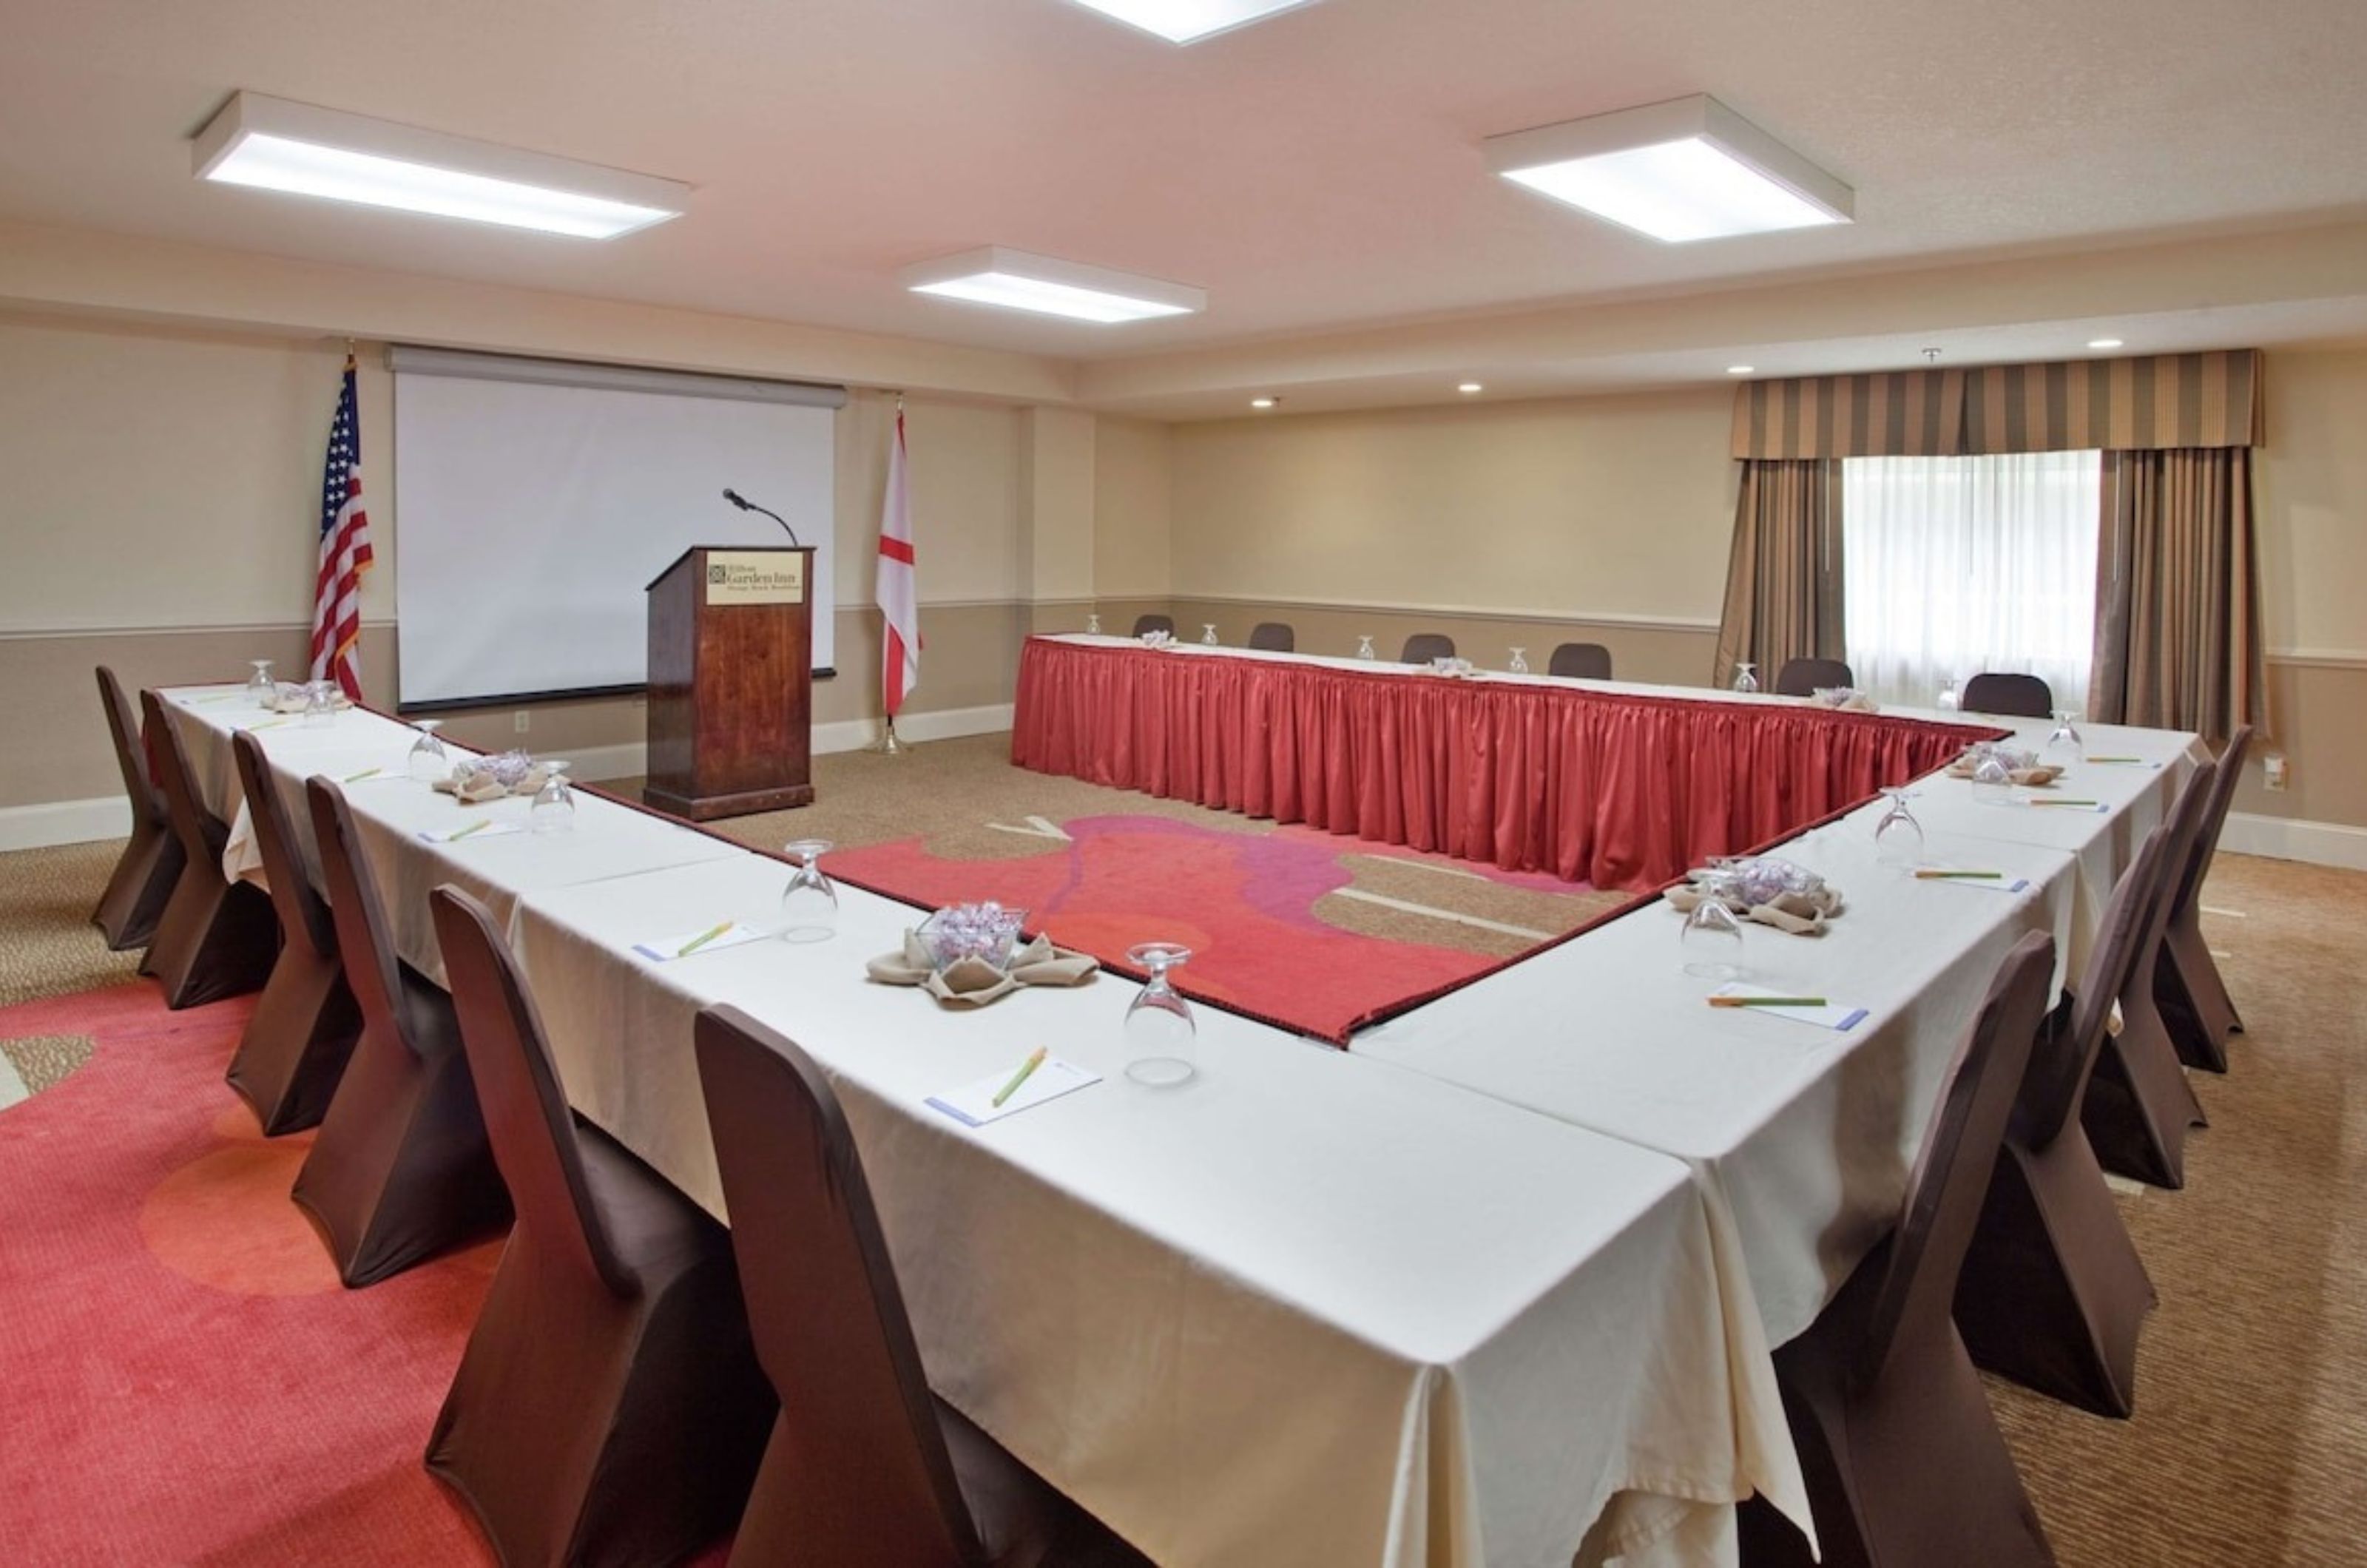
(390, 810)
(1306, 1309)
(1806, 1134)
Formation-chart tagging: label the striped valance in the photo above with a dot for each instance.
(1896, 413)
(2146, 404)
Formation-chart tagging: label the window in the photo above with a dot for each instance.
(1952, 566)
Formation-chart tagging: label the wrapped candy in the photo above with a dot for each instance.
(986, 930)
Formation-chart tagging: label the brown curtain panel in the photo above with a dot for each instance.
(2178, 618)
(1783, 579)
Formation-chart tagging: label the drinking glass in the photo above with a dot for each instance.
(553, 810)
(260, 687)
(1519, 663)
(1093, 625)
(429, 761)
(1746, 678)
(320, 704)
(1712, 936)
(809, 904)
(1951, 699)
(2064, 745)
(1159, 1028)
(1898, 838)
(1364, 649)
(1208, 633)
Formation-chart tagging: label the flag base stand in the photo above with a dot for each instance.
(888, 744)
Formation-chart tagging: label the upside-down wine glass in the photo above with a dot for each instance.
(320, 704)
(1746, 677)
(1712, 936)
(1092, 624)
(1952, 697)
(1364, 649)
(553, 810)
(1208, 633)
(1519, 663)
(2064, 745)
(1898, 838)
(1993, 781)
(260, 687)
(429, 761)
(810, 903)
(1159, 1028)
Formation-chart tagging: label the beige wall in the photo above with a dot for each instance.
(1133, 478)
(1590, 509)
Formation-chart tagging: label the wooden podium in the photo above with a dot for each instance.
(730, 682)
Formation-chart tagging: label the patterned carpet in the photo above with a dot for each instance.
(166, 1335)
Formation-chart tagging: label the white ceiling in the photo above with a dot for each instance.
(1319, 171)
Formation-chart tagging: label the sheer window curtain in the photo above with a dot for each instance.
(1959, 565)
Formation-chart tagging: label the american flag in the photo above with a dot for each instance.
(344, 550)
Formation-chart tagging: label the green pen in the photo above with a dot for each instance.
(2111, 759)
(1767, 1002)
(2049, 801)
(1936, 876)
(701, 940)
(364, 773)
(472, 828)
(1035, 1060)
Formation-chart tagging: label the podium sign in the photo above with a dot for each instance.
(731, 683)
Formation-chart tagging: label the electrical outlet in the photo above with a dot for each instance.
(520, 720)
(2274, 772)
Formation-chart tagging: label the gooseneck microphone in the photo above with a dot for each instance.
(744, 504)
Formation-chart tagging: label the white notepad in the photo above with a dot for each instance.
(1840, 1018)
(666, 949)
(468, 834)
(973, 1105)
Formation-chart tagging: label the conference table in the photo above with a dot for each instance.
(1803, 1136)
(1311, 1307)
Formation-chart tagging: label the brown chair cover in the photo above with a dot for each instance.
(1154, 624)
(216, 938)
(400, 1170)
(2017, 696)
(1801, 677)
(1581, 661)
(297, 1040)
(1274, 637)
(2139, 1104)
(865, 1464)
(1905, 1465)
(2187, 985)
(2053, 1294)
(152, 860)
(1423, 647)
(608, 1408)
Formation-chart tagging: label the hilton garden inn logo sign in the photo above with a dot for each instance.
(755, 577)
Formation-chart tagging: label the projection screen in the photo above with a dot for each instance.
(535, 498)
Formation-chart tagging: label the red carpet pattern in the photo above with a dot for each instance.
(1269, 913)
(185, 1381)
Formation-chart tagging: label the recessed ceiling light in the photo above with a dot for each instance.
(1688, 169)
(1017, 281)
(1469, 387)
(1264, 402)
(273, 144)
(1189, 21)
(1740, 369)
(2103, 343)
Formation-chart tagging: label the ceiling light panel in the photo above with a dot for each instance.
(300, 150)
(1189, 21)
(1689, 169)
(1049, 287)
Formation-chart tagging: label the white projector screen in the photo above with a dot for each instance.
(530, 514)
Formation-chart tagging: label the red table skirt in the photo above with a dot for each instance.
(1616, 790)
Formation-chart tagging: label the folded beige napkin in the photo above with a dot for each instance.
(1800, 914)
(293, 702)
(2033, 778)
(973, 982)
(478, 788)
